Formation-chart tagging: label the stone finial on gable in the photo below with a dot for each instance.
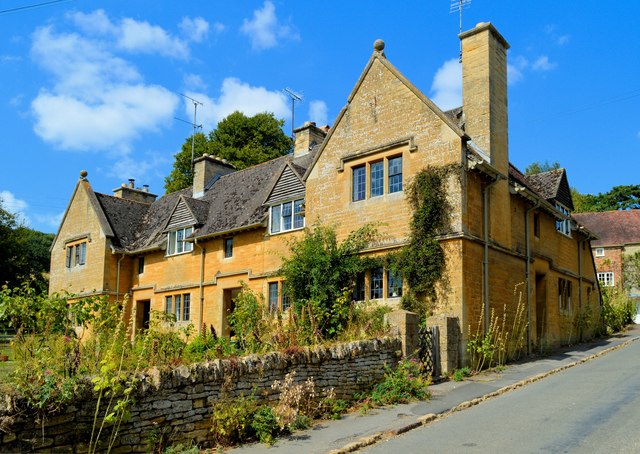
(378, 48)
(83, 174)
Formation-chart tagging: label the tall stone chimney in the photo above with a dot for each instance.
(484, 98)
(307, 136)
(484, 92)
(206, 168)
(130, 192)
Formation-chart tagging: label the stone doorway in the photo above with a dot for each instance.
(229, 294)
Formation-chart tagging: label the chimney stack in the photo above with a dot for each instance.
(206, 170)
(307, 136)
(484, 92)
(130, 192)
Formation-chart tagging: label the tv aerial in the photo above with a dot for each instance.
(456, 7)
(295, 96)
(193, 123)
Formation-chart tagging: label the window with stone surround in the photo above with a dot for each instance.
(179, 306)
(76, 255)
(599, 252)
(376, 185)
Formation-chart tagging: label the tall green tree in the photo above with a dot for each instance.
(24, 253)
(624, 197)
(241, 140)
(541, 167)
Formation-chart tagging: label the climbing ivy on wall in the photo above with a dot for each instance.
(422, 261)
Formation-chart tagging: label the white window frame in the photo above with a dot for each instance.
(599, 252)
(276, 218)
(607, 279)
(176, 243)
(563, 226)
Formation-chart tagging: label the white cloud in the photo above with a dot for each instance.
(13, 205)
(50, 220)
(236, 95)
(542, 63)
(102, 104)
(447, 85)
(194, 29)
(137, 36)
(219, 27)
(194, 82)
(562, 40)
(264, 29)
(140, 169)
(318, 112)
(145, 38)
(94, 23)
(515, 69)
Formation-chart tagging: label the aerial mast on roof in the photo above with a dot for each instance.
(456, 7)
(295, 96)
(195, 125)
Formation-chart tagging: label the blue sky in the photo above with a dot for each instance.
(96, 85)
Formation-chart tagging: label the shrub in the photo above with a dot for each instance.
(265, 424)
(618, 309)
(461, 374)
(232, 420)
(400, 385)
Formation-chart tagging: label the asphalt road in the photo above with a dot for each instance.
(591, 408)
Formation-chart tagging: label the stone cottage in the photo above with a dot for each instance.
(188, 252)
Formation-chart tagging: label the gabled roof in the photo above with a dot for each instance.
(552, 185)
(234, 202)
(379, 56)
(614, 228)
(123, 216)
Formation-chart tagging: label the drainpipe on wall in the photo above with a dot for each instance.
(485, 207)
(201, 309)
(113, 251)
(528, 272)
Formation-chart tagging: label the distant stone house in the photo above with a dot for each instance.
(188, 252)
(618, 235)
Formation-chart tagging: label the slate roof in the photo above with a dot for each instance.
(614, 228)
(235, 201)
(124, 217)
(552, 185)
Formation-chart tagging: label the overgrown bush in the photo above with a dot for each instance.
(618, 309)
(318, 270)
(248, 319)
(400, 385)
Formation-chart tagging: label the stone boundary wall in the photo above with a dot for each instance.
(179, 401)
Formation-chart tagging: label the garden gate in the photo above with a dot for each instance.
(429, 350)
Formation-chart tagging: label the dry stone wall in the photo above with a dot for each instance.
(178, 402)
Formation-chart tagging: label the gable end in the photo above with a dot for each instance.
(287, 187)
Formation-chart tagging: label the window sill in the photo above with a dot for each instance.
(286, 231)
(177, 254)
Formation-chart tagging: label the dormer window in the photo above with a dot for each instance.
(286, 216)
(563, 225)
(176, 243)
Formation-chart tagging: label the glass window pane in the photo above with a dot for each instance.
(375, 289)
(377, 179)
(395, 174)
(286, 215)
(358, 290)
(179, 241)
(186, 306)
(273, 296)
(298, 220)
(178, 307)
(275, 218)
(168, 306)
(171, 243)
(394, 284)
(359, 183)
(286, 301)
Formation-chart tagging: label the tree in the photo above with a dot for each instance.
(241, 140)
(624, 197)
(538, 167)
(24, 253)
(319, 271)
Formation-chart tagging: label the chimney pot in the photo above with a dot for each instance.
(131, 182)
(145, 187)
